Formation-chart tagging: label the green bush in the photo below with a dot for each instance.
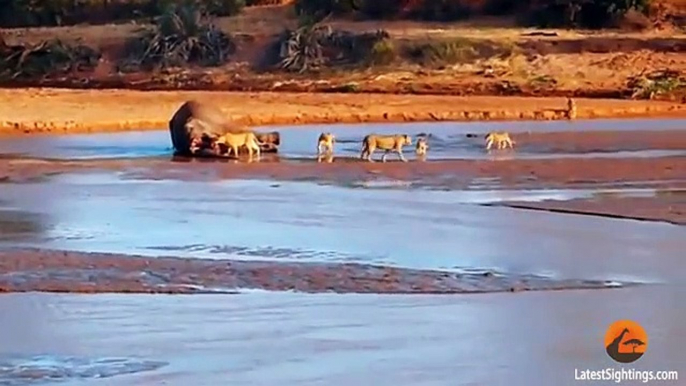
(345, 47)
(312, 46)
(49, 57)
(302, 50)
(181, 36)
(382, 53)
(443, 52)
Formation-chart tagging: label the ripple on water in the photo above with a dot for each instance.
(20, 370)
(269, 253)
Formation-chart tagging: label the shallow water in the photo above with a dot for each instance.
(294, 339)
(308, 222)
(259, 338)
(448, 140)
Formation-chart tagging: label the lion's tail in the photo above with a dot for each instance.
(257, 141)
(365, 146)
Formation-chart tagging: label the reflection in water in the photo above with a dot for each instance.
(17, 224)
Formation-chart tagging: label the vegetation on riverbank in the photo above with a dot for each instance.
(272, 48)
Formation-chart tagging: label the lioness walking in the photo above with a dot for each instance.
(502, 140)
(234, 141)
(387, 143)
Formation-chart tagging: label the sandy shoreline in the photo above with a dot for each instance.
(23, 270)
(63, 111)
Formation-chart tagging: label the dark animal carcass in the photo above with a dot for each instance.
(204, 122)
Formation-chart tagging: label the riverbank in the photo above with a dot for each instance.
(64, 111)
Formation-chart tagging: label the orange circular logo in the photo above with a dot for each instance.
(626, 341)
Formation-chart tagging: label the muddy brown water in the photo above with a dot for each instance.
(297, 339)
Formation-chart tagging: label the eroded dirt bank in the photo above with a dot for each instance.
(57, 271)
(44, 110)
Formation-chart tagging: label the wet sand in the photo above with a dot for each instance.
(64, 271)
(667, 172)
(668, 209)
(62, 111)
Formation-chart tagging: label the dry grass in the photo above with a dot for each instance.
(576, 60)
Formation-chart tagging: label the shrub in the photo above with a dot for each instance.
(347, 47)
(46, 58)
(383, 52)
(456, 51)
(312, 46)
(443, 52)
(649, 86)
(182, 35)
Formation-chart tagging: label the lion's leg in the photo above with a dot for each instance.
(400, 154)
(383, 157)
(489, 144)
(257, 150)
(369, 155)
(370, 152)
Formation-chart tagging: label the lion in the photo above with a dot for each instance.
(235, 141)
(326, 140)
(502, 140)
(422, 147)
(387, 143)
